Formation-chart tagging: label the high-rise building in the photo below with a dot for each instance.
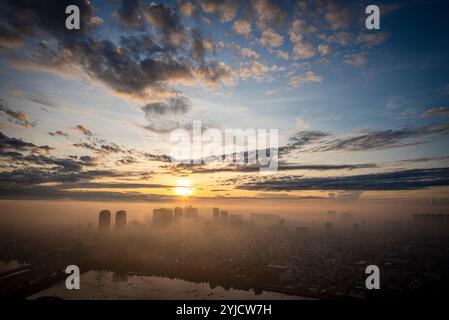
(120, 220)
(265, 218)
(429, 219)
(236, 218)
(356, 227)
(224, 214)
(162, 217)
(178, 213)
(104, 220)
(328, 227)
(191, 212)
(302, 233)
(216, 213)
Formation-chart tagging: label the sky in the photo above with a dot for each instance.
(86, 115)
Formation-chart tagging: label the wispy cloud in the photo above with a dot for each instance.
(398, 180)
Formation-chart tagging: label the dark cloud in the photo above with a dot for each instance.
(398, 180)
(317, 141)
(58, 133)
(127, 160)
(100, 149)
(14, 144)
(22, 19)
(18, 117)
(197, 168)
(130, 65)
(176, 105)
(166, 21)
(130, 14)
(84, 130)
(384, 139)
(302, 139)
(52, 193)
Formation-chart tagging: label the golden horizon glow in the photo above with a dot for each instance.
(184, 188)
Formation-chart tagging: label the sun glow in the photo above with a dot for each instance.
(184, 188)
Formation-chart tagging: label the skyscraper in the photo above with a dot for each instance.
(328, 227)
(178, 213)
(216, 213)
(302, 233)
(104, 220)
(191, 212)
(224, 214)
(120, 220)
(162, 217)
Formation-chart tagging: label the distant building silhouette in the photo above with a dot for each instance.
(104, 220)
(356, 227)
(224, 214)
(328, 227)
(120, 220)
(281, 222)
(302, 233)
(179, 212)
(265, 218)
(236, 218)
(162, 217)
(216, 213)
(435, 219)
(191, 212)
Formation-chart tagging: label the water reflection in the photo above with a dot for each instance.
(110, 285)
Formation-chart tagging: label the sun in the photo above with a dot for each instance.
(184, 188)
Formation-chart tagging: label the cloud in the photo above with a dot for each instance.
(324, 49)
(226, 10)
(435, 112)
(301, 139)
(338, 17)
(130, 14)
(58, 133)
(395, 102)
(22, 19)
(384, 139)
(303, 51)
(271, 38)
(343, 38)
(165, 20)
(19, 117)
(242, 27)
(371, 39)
(53, 193)
(256, 168)
(308, 76)
(248, 53)
(398, 180)
(84, 130)
(161, 116)
(317, 141)
(187, 8)
(14, 144)
(266, 13)
(177, 105)
(142, 66)
(282, 54)
(356, 60)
